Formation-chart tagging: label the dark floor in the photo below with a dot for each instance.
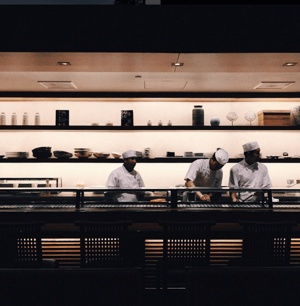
(174, 297)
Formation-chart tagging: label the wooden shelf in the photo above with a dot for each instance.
(143, 160)
(146, 128)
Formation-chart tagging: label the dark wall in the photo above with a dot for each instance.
(169, 28)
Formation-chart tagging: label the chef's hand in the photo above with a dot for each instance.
(205, 197)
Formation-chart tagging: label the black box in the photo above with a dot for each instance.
(126, 117)
(62, 118)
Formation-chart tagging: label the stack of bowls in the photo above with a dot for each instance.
(42, 152)
(62, 154)
(17, 154)
(83, 152)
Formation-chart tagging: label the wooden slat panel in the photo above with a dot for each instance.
(64, 250)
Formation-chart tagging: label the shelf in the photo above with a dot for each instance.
(143, 160)
(146, 128)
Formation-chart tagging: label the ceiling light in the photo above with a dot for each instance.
(290, 64)
(64, 63)
(177, 64)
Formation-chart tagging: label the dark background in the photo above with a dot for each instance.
(146, 28)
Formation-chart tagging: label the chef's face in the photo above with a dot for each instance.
(253, 156)
(214, 165)
(130, 163)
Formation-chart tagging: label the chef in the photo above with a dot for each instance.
(126, 177)
(249, 173)
(207, 173)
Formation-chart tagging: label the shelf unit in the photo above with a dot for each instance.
(147, 128)
(33, 128)
(142, 160)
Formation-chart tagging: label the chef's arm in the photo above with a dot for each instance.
(199, 195)
(233, 196)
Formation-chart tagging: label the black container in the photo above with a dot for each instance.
(198, 115)
(126, 117)
(62, 118)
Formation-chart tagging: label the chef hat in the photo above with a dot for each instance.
(129, 153)
(222, 156)
(250, 146)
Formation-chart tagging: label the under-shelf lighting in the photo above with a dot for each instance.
(290, 64)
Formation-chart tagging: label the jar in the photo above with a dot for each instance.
(295, 116)
(2, 119)
(14, 119)
(198, 115)
(37, 119)
(25, 119)
(214, 121)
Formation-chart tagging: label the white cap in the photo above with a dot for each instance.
(129, 153)
(222, 156)
(250, 146)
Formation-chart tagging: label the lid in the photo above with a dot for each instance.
(197, 105)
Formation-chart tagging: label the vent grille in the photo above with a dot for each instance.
(66, 251)
(58, 84)
(273, 85)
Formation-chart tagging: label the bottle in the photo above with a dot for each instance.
(169, 123)
(198, 115)
(149, 123)
(147, 153)
(2, 119)
(14, 119)
(37, 119)
(25, 119)
(160, 123)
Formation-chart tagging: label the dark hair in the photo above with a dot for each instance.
(214, 157)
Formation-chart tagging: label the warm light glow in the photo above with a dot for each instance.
(289, 64)
(64, 63)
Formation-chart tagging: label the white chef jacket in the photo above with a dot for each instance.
(121, 178)
(243, 175)
(202, 176)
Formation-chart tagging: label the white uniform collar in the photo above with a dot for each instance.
(255, 165)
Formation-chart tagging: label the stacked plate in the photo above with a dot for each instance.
(17, 154)
(42, 152)
(83, 152)
(188, 154)
(62, 154)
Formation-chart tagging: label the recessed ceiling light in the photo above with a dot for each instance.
(64, 63)
(177, 64)
(290, 64)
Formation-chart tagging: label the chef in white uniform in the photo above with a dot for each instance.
(126, 177)
(249, 173)
(207, 173)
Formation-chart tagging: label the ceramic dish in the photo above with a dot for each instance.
(116, 155)
(101, 154)
(83, 155)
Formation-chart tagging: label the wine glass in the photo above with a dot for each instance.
(250, 116)
(232, 116)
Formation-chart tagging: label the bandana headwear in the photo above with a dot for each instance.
(222, 156)
(129, 153)
(250, 146)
